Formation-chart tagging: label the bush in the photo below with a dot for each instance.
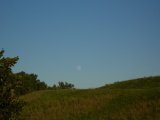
(10, 105)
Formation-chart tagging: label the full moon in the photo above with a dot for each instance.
(78, 67)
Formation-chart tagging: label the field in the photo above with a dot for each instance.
(137, 99)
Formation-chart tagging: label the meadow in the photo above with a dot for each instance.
(137, 99)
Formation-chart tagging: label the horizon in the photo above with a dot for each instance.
(86, 43)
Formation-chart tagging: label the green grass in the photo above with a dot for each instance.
(139, 83)
(137, 99)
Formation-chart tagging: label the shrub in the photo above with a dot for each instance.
(10, 105)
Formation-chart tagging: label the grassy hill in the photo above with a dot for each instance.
(139, 83)
(137, 99)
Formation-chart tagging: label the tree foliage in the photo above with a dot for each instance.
(61, 85)
(10, 105)
(65, 85)
(30, 83)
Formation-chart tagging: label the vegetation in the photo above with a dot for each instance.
(139, 83)
(61, 85)
(10, 105)
(29, 83)
(137, 99)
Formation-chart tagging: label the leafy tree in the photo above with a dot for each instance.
(10, 105)
(41, 85)
(30, 83)
(61, 85)
(54, 87)
(65, 85)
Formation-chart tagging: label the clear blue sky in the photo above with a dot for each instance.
(89, 43)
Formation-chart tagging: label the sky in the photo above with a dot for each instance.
(88, 43)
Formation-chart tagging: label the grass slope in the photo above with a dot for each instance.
(139, 83)
(137, 99)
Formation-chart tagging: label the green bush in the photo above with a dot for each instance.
(10, 105)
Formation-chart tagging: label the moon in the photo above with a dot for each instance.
(78, 67)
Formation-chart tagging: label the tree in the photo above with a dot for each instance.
(30, 83)
(65, 85)
(10, 105)
(54, 87)
(61, 85)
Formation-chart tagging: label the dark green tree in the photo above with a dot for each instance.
(30, 83)
(10, 105)
(54, 87)
(65, 85)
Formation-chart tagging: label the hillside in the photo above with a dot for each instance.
(137, 99)
(139, 83)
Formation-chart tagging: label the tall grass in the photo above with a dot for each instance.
(64, 104)
(93, 104)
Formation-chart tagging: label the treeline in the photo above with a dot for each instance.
(61, 85)
(29, 83)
